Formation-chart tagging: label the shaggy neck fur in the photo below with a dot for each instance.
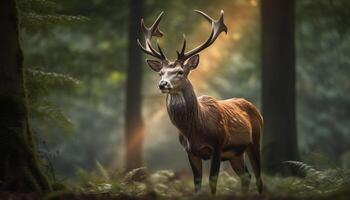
(183, 109)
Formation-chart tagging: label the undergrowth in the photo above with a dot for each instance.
(167, 184)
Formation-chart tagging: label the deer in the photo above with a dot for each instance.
(209, 129)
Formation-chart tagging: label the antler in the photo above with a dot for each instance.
(148, 33)
(217, 26)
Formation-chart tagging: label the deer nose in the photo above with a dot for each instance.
(163, 85)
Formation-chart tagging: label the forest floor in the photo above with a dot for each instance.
(34, 196)
(139, 184)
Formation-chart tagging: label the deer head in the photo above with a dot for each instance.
(174, 73)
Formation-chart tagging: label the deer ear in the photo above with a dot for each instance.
(155, 65)
(192, 62)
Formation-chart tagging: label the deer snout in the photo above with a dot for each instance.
(164, 85)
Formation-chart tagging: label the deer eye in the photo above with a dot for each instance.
(180, 73)
(161, 73)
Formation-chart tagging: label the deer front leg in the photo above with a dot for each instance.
(214, 171)
(196, 166)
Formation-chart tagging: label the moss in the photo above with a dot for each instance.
(19, 164)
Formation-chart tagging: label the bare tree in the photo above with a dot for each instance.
(278, 84)
(134, 129)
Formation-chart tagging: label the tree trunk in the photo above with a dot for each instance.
(19, 170)
(278, 84)
(134, 125)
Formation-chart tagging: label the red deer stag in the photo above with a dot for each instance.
(209, 129)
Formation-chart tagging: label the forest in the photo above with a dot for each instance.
(83, 114)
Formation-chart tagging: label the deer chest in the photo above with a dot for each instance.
(199, 147)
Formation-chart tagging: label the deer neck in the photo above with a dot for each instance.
(183, 109)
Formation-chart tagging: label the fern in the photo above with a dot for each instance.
(34, 21)
(51, 78)
(39, 86)
(36, 15)
(305, 168)
(102, 171)
(37, 5)
(42, 14)
(319, 182)
(50, 115)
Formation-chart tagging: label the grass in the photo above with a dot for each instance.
(166, 184)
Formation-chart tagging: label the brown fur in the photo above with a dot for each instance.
(229, 127)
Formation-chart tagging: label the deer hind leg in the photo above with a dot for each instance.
(239, 167)
(253, 152)
(196, 166)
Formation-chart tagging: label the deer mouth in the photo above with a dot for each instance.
(165, 90)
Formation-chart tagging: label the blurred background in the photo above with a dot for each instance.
(76, 55)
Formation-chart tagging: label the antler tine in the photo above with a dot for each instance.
(160, 51)
(144, 49)
(148, 34)
(179, 55)
(217, 26)
(207, 17)
(143, 26)
(155, 26)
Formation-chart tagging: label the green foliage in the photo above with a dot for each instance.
(137, 182)
(41, 14)
(34, 21)
(37, 5)
(102, 171)
(166, 184)
(42, 83)
(44, 113)
(315, 184)
(306, 169)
